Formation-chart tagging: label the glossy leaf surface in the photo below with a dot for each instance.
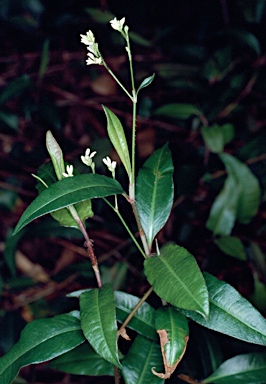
(70, 190)
(98, 322)
(232, 246)
(117, 136)
(143, 321)
(231, 314)
(173, 331)
(40, 341)
(143, 355)
(176, 278)
(247, 368)
(154, 192)
(83, 360)
(47, 174)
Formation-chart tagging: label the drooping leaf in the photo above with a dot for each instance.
(224, 209)
(216, 136)
(231, 314)
(83, 360)
(173, 330)
(247, 368)
(143, 355)
(232, 246)
(117, 136)
(44, 59)
(46, 173)
(178, 111)
(98, 322)
(143, 321)
(146, 82)
(40, 341)
(176, 278)
(56, 155)
(249, 198)
(154, 192)
(70, 190)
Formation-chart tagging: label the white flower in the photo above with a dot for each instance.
(111, 165)
(87, 159)
(117, 24)
(93, 59)
(88, 39)
(69, 171)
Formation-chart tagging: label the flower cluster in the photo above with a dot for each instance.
(87, 159)
(94, 56)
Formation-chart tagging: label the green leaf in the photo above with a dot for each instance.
(176, 278)
(146, 82)
(10, 120)
(216, 136)
(232, 246)
(173, 330)
(249, 198)
(15, 88)
(143, 321)
(231, 314)
(70, 190)
(40, 341)
(178, 111)
(143, 355)
(224, 209)
(247, 368)
(98, 322)
(44, 59)
(83, 360)
(117, 136)
(154, 192)
(56, 155)
(47, 174)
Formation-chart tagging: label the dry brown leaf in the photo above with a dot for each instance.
(35, 271)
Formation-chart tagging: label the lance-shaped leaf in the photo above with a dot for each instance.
(98, 322)
(246, 368)
(231, 314)
(118, 139)
(146, 82)
(154, 192)
(83, 360)
(178, 111)
(173, 331)
(143, 355)
(176, 278)
(46, 174)
(40, 341)
(56, 155)
(224, 209)
(249, 199)
(70, 190)
(143, 321)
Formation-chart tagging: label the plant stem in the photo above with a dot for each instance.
(126, 227)
(116, 79)
(133, 312)
(141, 232)
(116, 375)
(88, 244)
